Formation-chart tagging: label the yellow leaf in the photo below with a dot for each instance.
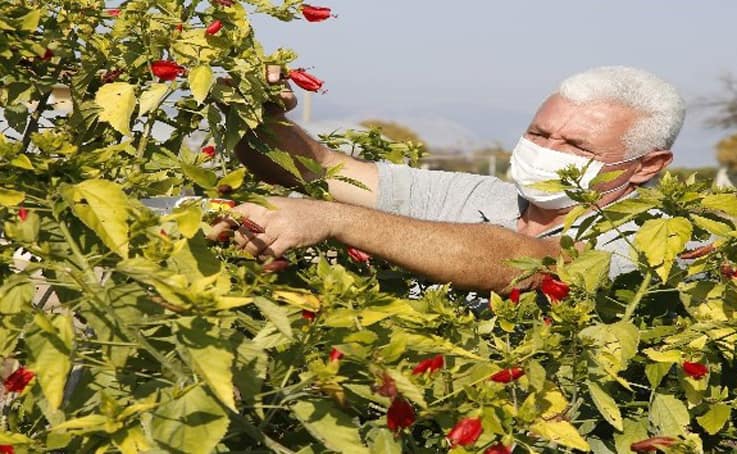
(562, 433)
(200, 82)
(117, 100)
(9, 197)
(668, 356)
(303, 300)
(150, 98)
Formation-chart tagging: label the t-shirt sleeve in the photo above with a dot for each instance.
(438, 195)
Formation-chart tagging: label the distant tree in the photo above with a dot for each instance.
(393, 131)
(724, 106)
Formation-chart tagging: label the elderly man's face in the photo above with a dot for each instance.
(593, 130)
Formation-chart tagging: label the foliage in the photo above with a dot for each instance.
(144, 337)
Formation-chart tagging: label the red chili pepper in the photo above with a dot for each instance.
(308, 315)
(251, 226)
(556, 290)
(507, 375)
(429, 364)
(214, 27)
(335, 354)
(179, 27)
(22, 214)
(400, 415)
(208, 151)
(18, 380)
(276, 265)
(465, 432)
(358, 255)
(115, 12)
(167, 70)
(6, 449)
(224, 237)
(110, 75)
(498, 449)
(163, 233)
(728, 271)
(315, 13)
(652, 444)
(305, 80)
(514, 295)
(388, 387)
(695, 370)
(697, 252)
(215, 203)
(224, 2)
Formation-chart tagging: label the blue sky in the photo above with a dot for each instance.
(482, 67)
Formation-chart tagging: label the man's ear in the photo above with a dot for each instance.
(651, 164)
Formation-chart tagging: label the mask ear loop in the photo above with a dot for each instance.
(634, 158)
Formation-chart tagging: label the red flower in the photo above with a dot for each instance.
(214, 27)
(18, 380)
(276, 265)
(431, 364)
(465, 432)
(308, 315)
(498, 449)
(358, 255)
(315, 13)
(335, 354)
(514, 295)
(556, 290)
(6, 449)
(652, 444)
(22, 214)
(208, 151)
(547, 320)
(400, 415)
(179, 27)
(167, 70)
(48, 53)
(305, 80)
(115, 12)
(388, 387)
(695, 370)
(507, 375)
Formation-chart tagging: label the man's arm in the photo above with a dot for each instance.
(471, 256)
(279, 132)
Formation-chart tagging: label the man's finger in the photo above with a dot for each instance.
(273, 73)
(218, 230)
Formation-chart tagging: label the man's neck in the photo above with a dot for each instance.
(536, 220)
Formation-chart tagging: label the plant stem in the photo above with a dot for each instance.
(641, 292)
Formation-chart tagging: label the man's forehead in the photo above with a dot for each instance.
(560, 115)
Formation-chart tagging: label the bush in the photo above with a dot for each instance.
(129, 332)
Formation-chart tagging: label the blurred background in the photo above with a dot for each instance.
(466, 77)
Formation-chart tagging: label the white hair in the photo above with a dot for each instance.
(662, 107)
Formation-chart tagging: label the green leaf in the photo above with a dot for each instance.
(669, 415)
(275, 314)
(655, 373)
(606, 177)
(200, 82)
(714, 419)
(407, 388)
(385, 443)
(203, 177)
(662, 240)
(10, 197)
(192, 423)
(634, 431)
(562, 433)
(717, 228)
(29, 21)
(549, 186)
(588, 270)
(211, 356)
(50, 346)
(572, 216)
(88, 423)
(286, 161)
(103, 207)
(117, 100)
(22, 162)
(188, 217)
(16, 294)
(721, 202)
(234, 179)
(151, 98)
(606, 405)
(330, 426)
(7, 438)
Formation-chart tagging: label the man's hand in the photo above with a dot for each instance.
(287, 97)
(270, 231)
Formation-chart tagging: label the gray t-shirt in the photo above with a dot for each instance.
(437, 195)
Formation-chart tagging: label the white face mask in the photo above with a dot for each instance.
(532, 164)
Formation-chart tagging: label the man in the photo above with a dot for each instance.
(429, 222)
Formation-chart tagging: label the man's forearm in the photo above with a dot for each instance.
(279, 132)
(471, 256)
